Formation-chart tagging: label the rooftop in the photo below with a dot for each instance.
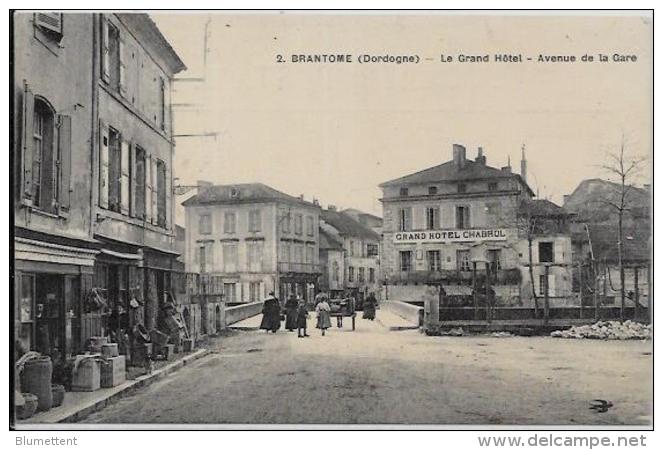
(241, 194)
(347, 226)
(328, 241)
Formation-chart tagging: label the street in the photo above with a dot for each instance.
(376, 376)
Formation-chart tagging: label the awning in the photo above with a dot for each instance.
(129, 256)
(40, 251)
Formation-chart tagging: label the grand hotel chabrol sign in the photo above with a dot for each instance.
(444, 236)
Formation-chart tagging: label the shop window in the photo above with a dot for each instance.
(546, 252)
(463, 260)
(26, 314)
(433, 257)
(406, 261)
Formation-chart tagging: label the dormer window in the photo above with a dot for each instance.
(462, 187)
(234, 193)
(404, 192)
(492, 187)
(432, 190)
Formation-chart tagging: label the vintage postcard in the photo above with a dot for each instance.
(332, 219)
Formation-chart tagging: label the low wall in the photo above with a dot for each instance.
(411, 313)
(237, 313)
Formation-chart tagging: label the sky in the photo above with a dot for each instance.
(334, 132)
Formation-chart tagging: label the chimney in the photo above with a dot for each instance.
(523, 165)
(566, 199)
(506, 169)
(301, 196)
(481, 159)
(316, 202)
(459, 156)
(331, 207)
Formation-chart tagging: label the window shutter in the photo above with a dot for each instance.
(124, 177)
(49, 21)
(132, 180)
(28, 117)
(105, 50)
(551, 285)
(123, 78)
(148, 188)
(64, 162)
(169, 194)
(153, 199)
(103, 165)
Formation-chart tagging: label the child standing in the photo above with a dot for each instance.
(302, 315)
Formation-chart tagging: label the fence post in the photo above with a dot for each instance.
(636, 294)
(546, 299)
(474, 290)
(580, 289)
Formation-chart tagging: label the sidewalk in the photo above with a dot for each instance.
(392, 321)
(77, 405)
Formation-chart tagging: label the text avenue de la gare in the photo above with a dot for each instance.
(366, 58)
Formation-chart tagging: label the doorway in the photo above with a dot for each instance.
(50, 315)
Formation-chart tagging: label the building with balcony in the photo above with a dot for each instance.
(250, 239)
(360, 265)
(462, 221)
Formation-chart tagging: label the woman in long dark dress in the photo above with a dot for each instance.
(271, 314)
(291, 313)
(322, 311)
(369, 307)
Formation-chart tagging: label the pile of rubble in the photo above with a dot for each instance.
(609, 330)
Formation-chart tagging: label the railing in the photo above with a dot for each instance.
(299, 267)
(502, 276)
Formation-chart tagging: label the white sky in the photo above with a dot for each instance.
(335, 132)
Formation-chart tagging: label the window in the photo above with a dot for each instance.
(309, 254)
(255, 251)
(548, 284)
(433, 258)
(229, 222)
(254, 291)
(462, 217)
(405, 219)
(114, 169)
(310, 230)
(546, 252)
(43, 182)
(406, 261)
(285, 222)
(298, 224)
(494, 260)
(205, 224)
(230, 257)
(432, 218)
(161, 194)
(463, 260)
(255, 220)
(114, 56)
(432, 190)
(371, 250)
(404, 192)
(492, 187)
(335, 271)
(352, 248)
(202, 258)
(139, 186)
(361, 274)
(462, 188)
(299, 253)
(162, 103)
(371, 275)
(230, 292)
(285, 252)
(351, 274)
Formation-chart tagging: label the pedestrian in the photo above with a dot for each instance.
(369, 307)
(291, 313)
(302, 315)
(271, 314)
(322, 311)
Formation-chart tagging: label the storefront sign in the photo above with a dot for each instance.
(445, 236)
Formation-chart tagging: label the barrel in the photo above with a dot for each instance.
(36, 380)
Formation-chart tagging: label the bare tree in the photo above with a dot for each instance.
(625, 168)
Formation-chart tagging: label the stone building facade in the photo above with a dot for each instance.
(445, 224)
(250, 239)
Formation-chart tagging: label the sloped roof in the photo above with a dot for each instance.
(242, 193)
(590, 193)
(348, 226)
(544, 208)
(328, 241)
(449, 172)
